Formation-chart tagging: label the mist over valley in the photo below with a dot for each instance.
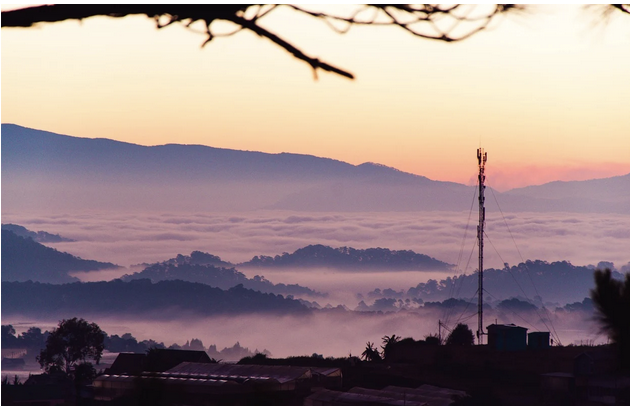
(388, 300)
(177, 242)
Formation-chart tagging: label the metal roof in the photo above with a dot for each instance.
(437, 389)
(428, 398)
(115, 378)
(259, 373)
(425, 395)
(505, 327)
(432, 395)
(326, 371)
(189, 381)
(335, 397)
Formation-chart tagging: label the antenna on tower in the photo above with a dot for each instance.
(482, 157)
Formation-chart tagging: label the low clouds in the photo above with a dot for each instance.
(132, 238)
(345, 332)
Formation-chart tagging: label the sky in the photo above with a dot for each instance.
(545, 92)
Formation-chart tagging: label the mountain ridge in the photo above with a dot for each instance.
(345, 258)
(38, 236)
(574, 188)
(209, 269)
(25, 259)
(163, 299)
(44, 170)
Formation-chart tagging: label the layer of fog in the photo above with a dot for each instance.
(330, 333)
(132, 238)
(344, 287)
(339, 287)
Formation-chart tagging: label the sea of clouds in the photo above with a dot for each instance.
(133, 238)
(128, 239)
(144, 237)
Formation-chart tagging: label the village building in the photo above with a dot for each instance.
(209, 383)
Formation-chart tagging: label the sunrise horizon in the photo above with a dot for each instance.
(544, 105)
(502, 178)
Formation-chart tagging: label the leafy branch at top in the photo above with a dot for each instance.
(446, 23)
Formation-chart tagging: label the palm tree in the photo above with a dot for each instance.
(388, 341)
(391, 339)
(371, 353)
(612, 305)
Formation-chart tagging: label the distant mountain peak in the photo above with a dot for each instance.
(25, 259)
(377, 165)
(47, 171)
(39, 236)
(348, 258)
(201, 267)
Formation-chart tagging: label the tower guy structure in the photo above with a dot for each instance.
(482, 157)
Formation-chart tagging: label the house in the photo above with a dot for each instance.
(157, 360)
(537, 340)
(507, 337)
(193, 383)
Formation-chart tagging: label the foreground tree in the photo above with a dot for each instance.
(432, 339)
(461, 336)
(33, 338)
(446, 23)
(611, 298)
(388, 343)
(371, 353)
(72, 343)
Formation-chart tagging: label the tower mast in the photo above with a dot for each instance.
(482, 157)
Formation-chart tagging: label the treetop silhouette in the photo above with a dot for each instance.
(72, 343)
(446, 23)
(461, 335)
(611, 298)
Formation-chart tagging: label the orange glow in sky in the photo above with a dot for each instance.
(545, 93)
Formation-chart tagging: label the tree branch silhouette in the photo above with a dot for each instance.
(622, 7)
(611, 298)
(445, 23)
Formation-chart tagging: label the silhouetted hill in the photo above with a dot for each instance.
(346, 258)
(195, 258)
(559, 282)
(197, 268)
(43, 170)
(140, 297)
(25, 149)
(39, 236)
(24, 259)
(580, 195)
(612, 189)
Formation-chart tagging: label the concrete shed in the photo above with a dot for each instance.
(507, 337)
(538, 339)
